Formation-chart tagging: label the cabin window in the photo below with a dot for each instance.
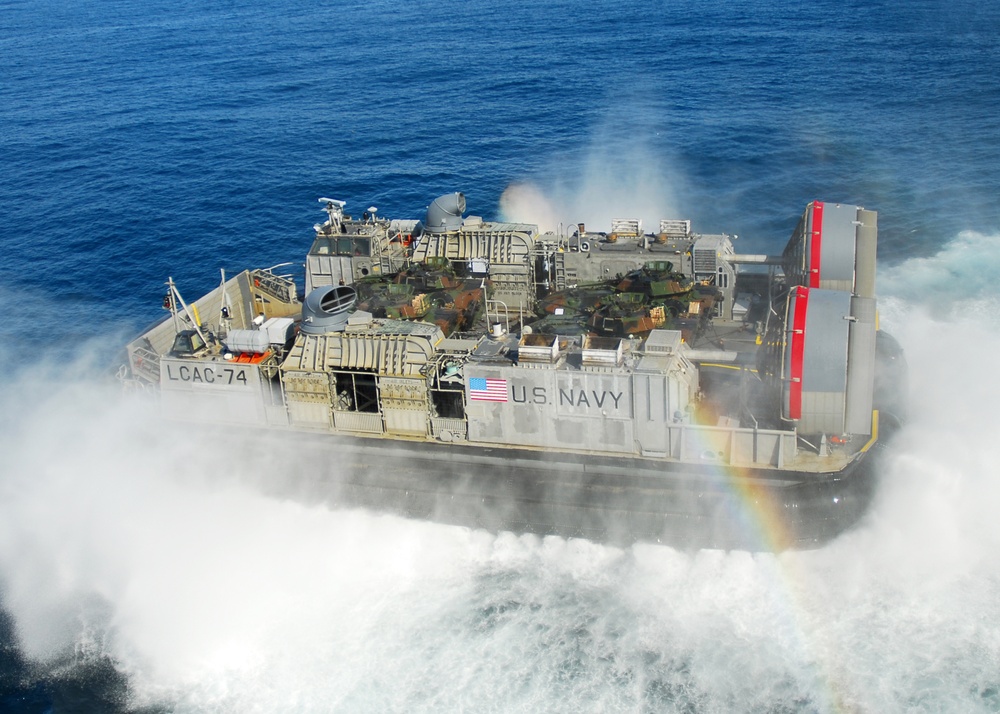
(187, 342)
(357, 247)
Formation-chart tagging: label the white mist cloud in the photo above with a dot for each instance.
(122, 536)
(116, 524)
(965, 269)
(619, 177)
(942, 490)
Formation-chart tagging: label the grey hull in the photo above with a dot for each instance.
(607, 500)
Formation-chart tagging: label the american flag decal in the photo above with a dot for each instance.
(487, 389)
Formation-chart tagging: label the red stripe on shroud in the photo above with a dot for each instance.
(798, 351)
(816, 244)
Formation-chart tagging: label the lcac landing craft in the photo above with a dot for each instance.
(619, 385)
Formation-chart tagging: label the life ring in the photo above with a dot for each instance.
(256, 282)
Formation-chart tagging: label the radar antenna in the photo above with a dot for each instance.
(335, 210)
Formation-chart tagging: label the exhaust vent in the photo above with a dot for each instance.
(445, 213)
(326, 309)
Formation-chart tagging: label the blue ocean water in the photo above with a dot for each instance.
(145, 139)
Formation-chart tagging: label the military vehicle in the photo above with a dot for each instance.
(622, 385)
(645, 299)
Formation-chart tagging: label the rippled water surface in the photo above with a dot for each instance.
(140, 140)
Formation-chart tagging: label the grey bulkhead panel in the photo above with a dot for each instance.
(396, 351)
(861, 362)
(506, 246)
(637, 409)
(323, 270)
(404, 405)
(861, 367)
(659, 402)
(506, 243)
(837, 249)
(217, 391)
(309, 398)
(556, 408)
(867, 245)
(399, 349)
